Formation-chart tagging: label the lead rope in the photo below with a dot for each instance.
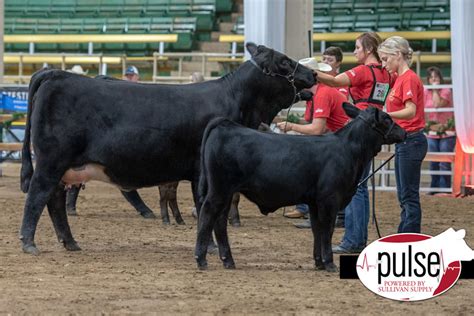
(374, 218)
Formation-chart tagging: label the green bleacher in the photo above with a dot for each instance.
(336, 16)
(190, 19)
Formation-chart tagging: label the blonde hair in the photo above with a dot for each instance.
(395, 44)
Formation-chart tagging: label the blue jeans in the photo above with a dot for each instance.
(441, 145)
(357, 217)
(302, 208)
(408, 158)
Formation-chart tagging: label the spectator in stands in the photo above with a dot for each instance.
(131, 74)
(369, 84)
(405, 105)
(440, 127)
(77, 69)
(324, 114)
(333, 57)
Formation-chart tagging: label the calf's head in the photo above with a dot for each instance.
(274, 63)
(379, 121)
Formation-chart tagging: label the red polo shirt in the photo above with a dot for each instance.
(408, 87)
(362, 82)
(328, 104)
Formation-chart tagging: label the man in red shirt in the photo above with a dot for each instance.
(325, 113)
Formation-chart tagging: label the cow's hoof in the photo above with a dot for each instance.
(235, 224)
(166, 223)
(180, 222)
(330, 267)
(229, 265)
(71, 212)
(31, 249)
(148, 214)
(212, 249)
(71, 246)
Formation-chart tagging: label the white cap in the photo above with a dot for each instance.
(313, 64)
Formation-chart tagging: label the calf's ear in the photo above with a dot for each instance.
(350, 110)
(251, 48)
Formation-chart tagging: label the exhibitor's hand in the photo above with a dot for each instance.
(282, 125)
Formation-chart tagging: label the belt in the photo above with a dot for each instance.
(415, 132)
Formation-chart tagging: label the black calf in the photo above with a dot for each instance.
(280, 170)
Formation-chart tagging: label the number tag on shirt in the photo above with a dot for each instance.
(380, 91)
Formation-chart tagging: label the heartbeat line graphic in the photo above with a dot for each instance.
(365, 263)
(444, 268)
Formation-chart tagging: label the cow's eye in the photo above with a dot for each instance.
(285, 62)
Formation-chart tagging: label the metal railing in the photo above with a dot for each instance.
(205, 58)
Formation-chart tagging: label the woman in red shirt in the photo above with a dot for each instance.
(405, 104)
(369, 84)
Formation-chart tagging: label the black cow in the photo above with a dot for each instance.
(84, 128)
(168, 193)
(280, 170)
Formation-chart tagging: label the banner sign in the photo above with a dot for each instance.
(14, 99)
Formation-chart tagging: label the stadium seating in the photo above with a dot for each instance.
(335, 16)
(184, 17)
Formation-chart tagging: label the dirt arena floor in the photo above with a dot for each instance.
(133, 265)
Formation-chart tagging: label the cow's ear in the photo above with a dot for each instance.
(252, 48)
(350, 110)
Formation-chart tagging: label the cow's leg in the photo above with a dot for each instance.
(234, 218)
(220, 229)
(327, 218)
(57, 212)
(71, 200)
(168, 193)
(164, 206)
(176, 213)
(42, 185)
(133, 198)
(317, 252)
(211, 247)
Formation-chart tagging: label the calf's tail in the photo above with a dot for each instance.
(26, 163)
(203, 185)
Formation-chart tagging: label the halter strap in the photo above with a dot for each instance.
(363, 115)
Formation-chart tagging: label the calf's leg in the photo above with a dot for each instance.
(220, 229)
(327, 220)
(211, 247)
(211, 210)
(317, 252)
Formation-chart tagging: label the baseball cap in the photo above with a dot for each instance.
(131, 70)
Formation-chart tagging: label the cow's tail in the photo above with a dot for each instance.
(26, 163)
(203, 185)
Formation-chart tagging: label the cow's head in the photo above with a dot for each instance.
(379, 121)
(274, 63)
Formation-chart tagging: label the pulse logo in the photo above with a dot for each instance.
(413, 267)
